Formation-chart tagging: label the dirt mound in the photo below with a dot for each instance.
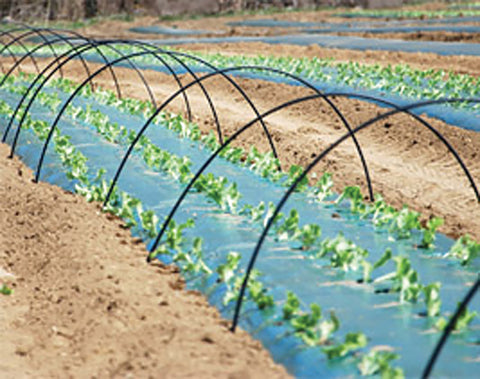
(86, 304)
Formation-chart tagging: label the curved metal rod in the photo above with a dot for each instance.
(77, 50)
(72, 96)
(142, 45)
(52, 31)
(248, 125)
(38, 171)
(331, 104)
(39, 32)
(39, 76)
(145, 47)
(175, 54)
(22, 45)
(37, 47)
(172, 97)
(449, 328)
(292, 188)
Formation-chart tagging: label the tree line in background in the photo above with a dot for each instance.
(45, 10)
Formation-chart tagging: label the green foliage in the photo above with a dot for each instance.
(386, 256)
(324, 187)
(192, 262)
(428, 237)
(291, 307)
(353, 341)
(174, 235)
(465, 249)
(5, 290)
(378, 363)
(356, 199)
(295, 172)
(343, 253)
(289, 229)
(309, 326)
(406, 280)
(432, 299)
(464, 319)
(403, 223)
(309, 235)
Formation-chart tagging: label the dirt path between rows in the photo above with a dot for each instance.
(443, 36)
(87, 305)
(408, 164)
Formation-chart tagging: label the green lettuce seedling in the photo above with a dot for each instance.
(465, 249)
(353, 341)
(378, 363)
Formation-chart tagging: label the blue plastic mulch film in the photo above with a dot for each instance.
(284, 266)
(273, 23)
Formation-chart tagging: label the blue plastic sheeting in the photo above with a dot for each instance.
(272, 23)
(155, 29)
(394, 17)
(399, 29)
(342, 42)
(284, 266)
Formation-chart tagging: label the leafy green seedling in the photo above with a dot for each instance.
(386, 256)
(406, 280)
(428, 237)
(465, 249)
(355, 196)
(291, 307)
(404, 222)
(289, 229)
(378, 363)
(432, 299)
(323, 188)
(463, 321)
(5, 290)
(309, 235)
(343, 253)
(353, 341)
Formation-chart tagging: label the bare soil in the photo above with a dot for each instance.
(408, 164)
(86, 304)
(443, 36)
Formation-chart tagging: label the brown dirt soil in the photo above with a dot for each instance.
(408, 164)
(86, 304)
(423, 36)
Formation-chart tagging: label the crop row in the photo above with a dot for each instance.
(401, 80)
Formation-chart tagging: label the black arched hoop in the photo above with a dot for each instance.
(449, 328)
(76, 51)
(322, 155)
